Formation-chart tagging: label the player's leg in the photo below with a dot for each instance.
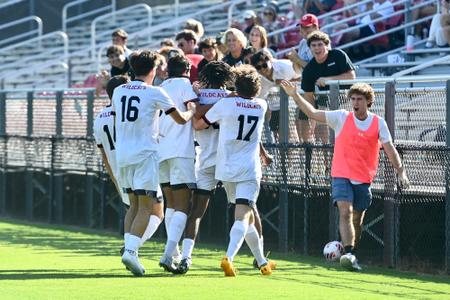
(156, 217)
(361, 202)
(358, 218)
(251, 238)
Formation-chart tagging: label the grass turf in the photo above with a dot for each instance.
(46, 262)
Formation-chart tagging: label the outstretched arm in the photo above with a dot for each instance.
(396, 162)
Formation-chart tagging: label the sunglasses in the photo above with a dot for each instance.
(259, 67)
(268, 13)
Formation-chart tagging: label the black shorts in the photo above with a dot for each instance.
(274, 122)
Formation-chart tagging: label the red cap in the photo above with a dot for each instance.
(309, 20)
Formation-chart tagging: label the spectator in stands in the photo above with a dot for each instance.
(272, 71)
(118, 61)
(196, 27)
(208, 49)
(250, 19)
(439, 34)
(236, 43)
(167, 43)
(258, 38)
(326, 65)
(308, 24)
(270, 23)
(187, 42)
(161, 70)
(220, 45)
(120, 38)
(318, 7)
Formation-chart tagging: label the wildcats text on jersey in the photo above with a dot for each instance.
(210, 94)
(248, 104)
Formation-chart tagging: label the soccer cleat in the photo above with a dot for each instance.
(272, 263)
(183, 266)
(348, 261)
(122, 250)
(227, 267)
(176, 259)
(131, 262)
(265, 269)
(167, 264)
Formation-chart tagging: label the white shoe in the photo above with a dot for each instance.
(131, 262)
(349, 262)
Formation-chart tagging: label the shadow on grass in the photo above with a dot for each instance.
(294, 268)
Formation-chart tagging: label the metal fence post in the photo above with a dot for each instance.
(57, 181)
(447, 183)
(333, 212)
(391, 207)
(29, 201)
(283, 195)
(89, 191)
(3, 161)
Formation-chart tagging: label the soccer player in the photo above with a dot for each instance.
(238, 164)
(214, 78)
(176, 157)
(355, 160)
(136, 106)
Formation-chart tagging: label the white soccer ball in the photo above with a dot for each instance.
(333, 251)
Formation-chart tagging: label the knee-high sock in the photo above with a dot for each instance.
(176, 229)
(237, 234)
(153, 224)
(253, 241)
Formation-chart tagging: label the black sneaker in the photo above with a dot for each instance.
(122, 250)
(167, 264)
(255, 262)
(183, 266)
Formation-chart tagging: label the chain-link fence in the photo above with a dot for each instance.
(52, 171)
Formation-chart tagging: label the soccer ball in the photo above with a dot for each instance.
(333, 251)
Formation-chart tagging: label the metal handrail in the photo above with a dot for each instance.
(66, 7)
(39, 40)
(230, 10)
(26, 34)
(416, 43)
(9, 3)
(422, 66)
(114, 14)
(371, 80)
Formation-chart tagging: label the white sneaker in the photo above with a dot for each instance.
(131, 262)
(349, 262)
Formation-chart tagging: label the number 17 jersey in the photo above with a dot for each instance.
(136, 106)
(241, 124)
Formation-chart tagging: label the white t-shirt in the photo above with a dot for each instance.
(384, 9)
(177, 140)
(304, 52)
(104, 134)
(241, 123)
(208, 138)
(282, 69)
(137, 107)
(336, 120)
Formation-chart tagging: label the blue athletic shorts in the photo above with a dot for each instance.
(359, 195)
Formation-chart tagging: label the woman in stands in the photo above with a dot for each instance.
(236, 42)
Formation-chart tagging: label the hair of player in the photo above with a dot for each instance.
(216, 75)
(178, 65)
(114, 49)
(186, 34)
(262, 33)
(318, 36)
(195, 26)
(115, 82)
(247, 81)
(167, 43)
(260, 56)
(143, 62)
(362, 89)
(120, 33)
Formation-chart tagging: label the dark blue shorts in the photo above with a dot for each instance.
(359, 195)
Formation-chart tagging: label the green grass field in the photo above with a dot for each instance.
(44, 262)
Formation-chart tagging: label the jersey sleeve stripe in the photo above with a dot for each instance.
(206, 120)
(170, 110)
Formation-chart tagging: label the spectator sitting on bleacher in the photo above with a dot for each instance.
(439, 33)
(318, 7)
(208, 48)
(236, 43)
(187, 42)
(196, 27)
(118, 61)
(258, 39)
(270, 23)
(120, 38)
(250, 19)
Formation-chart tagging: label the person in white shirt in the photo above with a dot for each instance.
(104, 133)
(238, 164)
(136, 106)
(176, 157)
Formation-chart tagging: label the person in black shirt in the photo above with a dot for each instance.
(118, 61)
(236, 42)
(327, 64)
(208, 48)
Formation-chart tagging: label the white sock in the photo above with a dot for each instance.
(167, 220)
(133, 243)
(126, 236)
(254, 243)
(261, 243)
(188, 247)
(153, 224)
(176, 229)
(237, 234)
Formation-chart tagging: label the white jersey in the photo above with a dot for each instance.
(137, 105)
(241, 123)
(176, 140)
(208, 138)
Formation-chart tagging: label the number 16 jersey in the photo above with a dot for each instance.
(241, 123)
(136, 106)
